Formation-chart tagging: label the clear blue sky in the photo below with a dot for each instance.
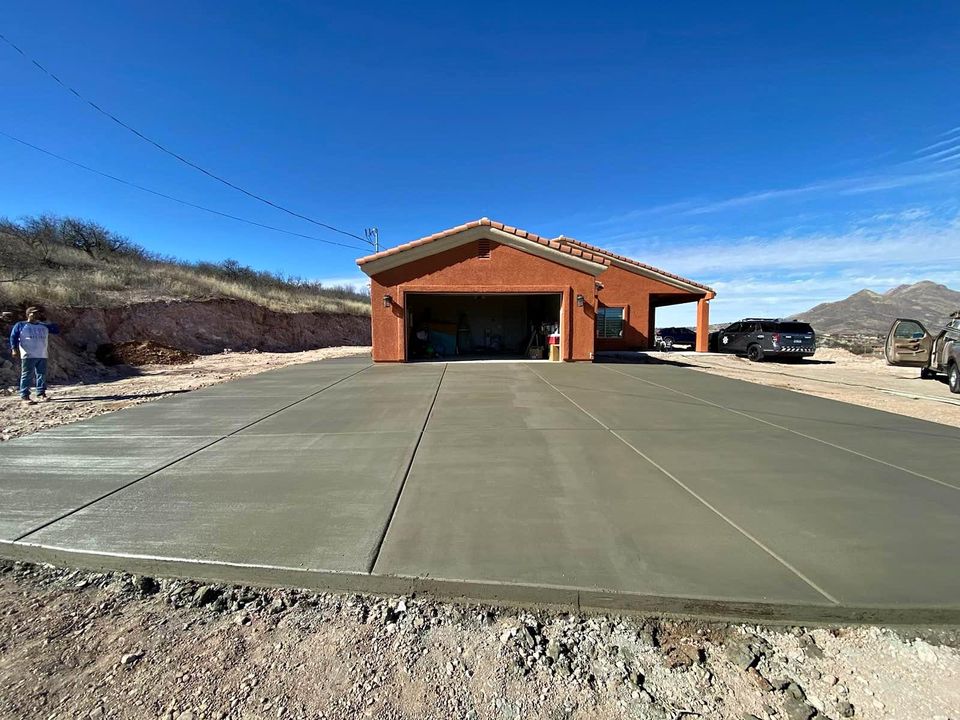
(775, 150)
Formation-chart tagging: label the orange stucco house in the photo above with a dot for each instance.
(488, 289)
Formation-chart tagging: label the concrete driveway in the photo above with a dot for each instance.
(635, 487)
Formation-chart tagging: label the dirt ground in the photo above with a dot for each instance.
(840, 375)
(109, 645)
(70, 403)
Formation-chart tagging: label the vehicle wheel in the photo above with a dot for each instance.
(668, 343)
(755, 353)
(953, 378)
(927, 374)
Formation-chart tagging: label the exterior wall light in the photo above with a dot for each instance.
(387, 301)
(579, 300)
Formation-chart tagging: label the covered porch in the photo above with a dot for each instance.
(702, 325)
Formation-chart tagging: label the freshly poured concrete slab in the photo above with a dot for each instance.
(381, 399)
(931, 449)
(212, 410)
(865, 533)
(178, 415)
(317, 502)
(569, 508)
(566, 513)
(480, 397)
(46, 476)
(622, 402)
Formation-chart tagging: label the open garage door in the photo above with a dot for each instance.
(448, 326)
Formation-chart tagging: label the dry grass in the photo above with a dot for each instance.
(72, 277)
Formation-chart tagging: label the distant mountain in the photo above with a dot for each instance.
(870, 313)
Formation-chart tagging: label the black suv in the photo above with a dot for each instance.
(758, 338)
(666, 338)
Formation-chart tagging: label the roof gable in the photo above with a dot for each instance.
(553, 250)
(563, 250)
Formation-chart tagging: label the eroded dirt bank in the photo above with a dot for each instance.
(196, 326)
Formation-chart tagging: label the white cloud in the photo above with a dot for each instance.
(898, 243)
(787, 274)
(847, 186)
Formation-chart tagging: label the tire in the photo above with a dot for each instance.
(953, 378)
(668, 343)
(755, 353)
(927, 374)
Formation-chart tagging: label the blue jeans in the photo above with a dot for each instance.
(28, 368)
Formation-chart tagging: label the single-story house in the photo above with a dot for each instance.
(488, 289)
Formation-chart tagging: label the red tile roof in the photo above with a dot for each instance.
(630, 261)
(563, 244)
(554, 244)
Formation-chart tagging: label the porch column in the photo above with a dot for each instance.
(703, 322)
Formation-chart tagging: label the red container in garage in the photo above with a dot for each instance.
(553, 339)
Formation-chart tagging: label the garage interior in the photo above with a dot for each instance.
(488, 326)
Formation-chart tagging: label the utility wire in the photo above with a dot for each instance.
(171, 197)
(170, 152)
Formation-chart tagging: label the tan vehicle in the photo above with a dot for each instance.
(909, 344)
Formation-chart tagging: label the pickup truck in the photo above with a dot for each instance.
(909, 344)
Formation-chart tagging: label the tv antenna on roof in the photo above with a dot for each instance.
(373, 237)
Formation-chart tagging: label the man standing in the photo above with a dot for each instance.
(29, 338)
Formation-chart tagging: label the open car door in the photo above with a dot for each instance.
(908, 344)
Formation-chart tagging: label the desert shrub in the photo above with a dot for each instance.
(71, 261)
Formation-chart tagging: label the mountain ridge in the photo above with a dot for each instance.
(867, 312)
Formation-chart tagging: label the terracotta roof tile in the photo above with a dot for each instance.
(631, 261)
(555, 244)
(567, 245)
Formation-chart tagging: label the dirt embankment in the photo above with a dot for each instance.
(202, 327)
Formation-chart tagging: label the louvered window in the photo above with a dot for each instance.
(483, 249)
(610, 322)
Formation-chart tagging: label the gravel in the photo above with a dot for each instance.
(100, 644)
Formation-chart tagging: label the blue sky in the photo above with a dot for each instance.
(787, 154)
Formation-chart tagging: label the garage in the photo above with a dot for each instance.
(499, 325)
(485, 290)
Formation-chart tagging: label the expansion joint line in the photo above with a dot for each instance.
(786, 429)
(375, 555)
(756, 541)
(184, 457)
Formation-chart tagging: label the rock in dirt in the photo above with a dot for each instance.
(147, 585)
(845, 709)
(206, 595)
(742, 655)
(795, 709)
(759, 680)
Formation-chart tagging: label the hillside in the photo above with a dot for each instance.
(58, 261)
(105, 290)
(870, 313)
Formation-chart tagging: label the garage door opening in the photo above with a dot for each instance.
(472, 327)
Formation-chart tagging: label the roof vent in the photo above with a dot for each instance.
(483, 249)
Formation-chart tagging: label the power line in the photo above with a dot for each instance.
(170, 152)
(171, 197)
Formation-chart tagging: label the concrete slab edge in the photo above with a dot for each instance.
(491, 593)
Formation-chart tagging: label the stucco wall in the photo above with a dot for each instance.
(622, 288)
(460, 270)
